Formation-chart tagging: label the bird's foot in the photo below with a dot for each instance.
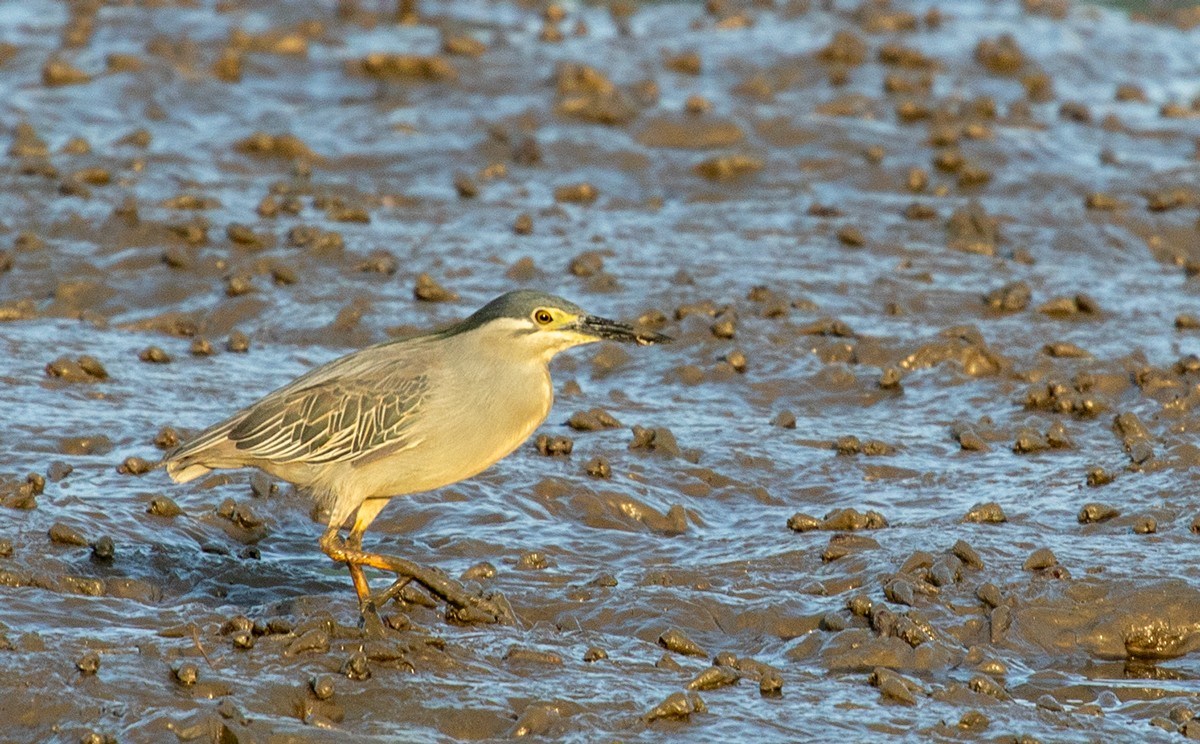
(463, 606)
(370, 623)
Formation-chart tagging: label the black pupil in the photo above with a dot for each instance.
(543, 316)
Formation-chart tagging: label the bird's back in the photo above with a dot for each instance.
(344, 410)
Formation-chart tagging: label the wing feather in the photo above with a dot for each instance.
(354, 409)
(336, 421)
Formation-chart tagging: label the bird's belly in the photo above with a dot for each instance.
(466, 441)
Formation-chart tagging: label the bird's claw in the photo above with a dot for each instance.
(464, 607)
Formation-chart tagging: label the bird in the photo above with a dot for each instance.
(406, 416)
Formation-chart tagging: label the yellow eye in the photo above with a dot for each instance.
(543, 317)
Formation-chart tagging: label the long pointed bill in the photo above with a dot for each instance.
(611, 330)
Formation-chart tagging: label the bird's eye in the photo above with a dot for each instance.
(543, 317)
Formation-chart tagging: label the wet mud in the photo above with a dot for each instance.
(921, 463)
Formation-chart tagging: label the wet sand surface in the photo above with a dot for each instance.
(921, 462)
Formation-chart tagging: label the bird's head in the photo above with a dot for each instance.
(539, 325)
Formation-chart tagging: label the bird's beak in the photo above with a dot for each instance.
(611, 330)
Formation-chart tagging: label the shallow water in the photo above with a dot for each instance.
(1100, 646)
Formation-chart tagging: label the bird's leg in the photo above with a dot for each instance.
(466, 607)
(335, 548)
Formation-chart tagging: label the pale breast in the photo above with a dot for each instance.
(471, 422)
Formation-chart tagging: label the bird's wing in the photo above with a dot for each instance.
(332, 419)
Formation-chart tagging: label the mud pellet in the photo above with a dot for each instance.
(238, 343)
(243, 640)
(89, 663)
(554, 446)
(1145, 526)
(534, 560)
(577, 193)
(519, 655)
(596, 419)
(284, 275)
(1058, 437)
(163, 506)
(237, 624)
(280, 625)
(675, 641)
(737, 360)
(481, 570)
(667, 662)
(186, 674)
(893, 686)
(847, 445)
(154, 355)
(900, 591)
(770, 684)
(987, 513)
(427, 289)
(103, 549)
(314, 639)
(1098, 476)
(973, 720)
(800, 522)
(989, 594)
(851, 236)
(677, 706)
(135, 466)
(1029, 440)
(985, 685)
(1095, 512)
(595, 653)
(1165, 724)
(1040, 559)
(605, 580)
(965, 553)
(860, 605)
(724, 328)
(713, 678)
(58, 470)
(999, 621)
(321, 686)
(523, 225)
(944, 573)
(1181, 714)
(167, 438)
(238, 285)
(883, 620)
(64, 535)
(355, 667)
(598, 467)
(465, 186)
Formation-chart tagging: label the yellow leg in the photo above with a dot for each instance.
(467, 607)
